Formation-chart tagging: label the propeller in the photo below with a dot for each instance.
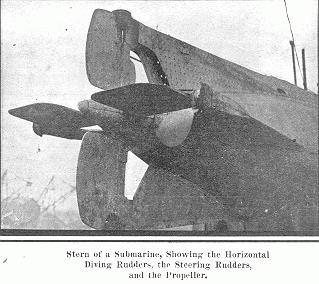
(175, 127)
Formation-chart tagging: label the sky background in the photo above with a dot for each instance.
(43, 60)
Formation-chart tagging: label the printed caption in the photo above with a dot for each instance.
(169, 264)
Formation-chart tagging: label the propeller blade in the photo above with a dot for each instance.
(144, 99)
(175, 126)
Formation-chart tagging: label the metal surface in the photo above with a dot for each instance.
(175, 127)
(144, 99)
(255, 172)
(187, 67)
(161, 201)
(108, 61)
(241, 150)
(168, 60)
(55, 120)
(292, 118)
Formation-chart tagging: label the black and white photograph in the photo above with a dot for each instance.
(179, 118)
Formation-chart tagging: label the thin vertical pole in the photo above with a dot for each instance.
(293, 60)
(304, 69)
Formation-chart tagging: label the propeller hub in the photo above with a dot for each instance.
(83, 106)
